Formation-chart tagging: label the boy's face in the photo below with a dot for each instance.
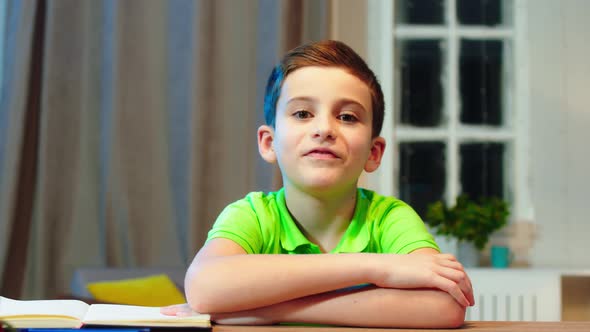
(322, 136)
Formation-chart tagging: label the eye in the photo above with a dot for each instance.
(302, 114)
(347, 117)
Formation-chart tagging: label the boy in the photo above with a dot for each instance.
(324, 111)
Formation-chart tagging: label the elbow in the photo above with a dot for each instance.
(423, 309)
(204, 296)
(201, 302)
(456, 317)
(452, 314)
(439, 310)
(197, 297)
(206, 304)
(200, 305)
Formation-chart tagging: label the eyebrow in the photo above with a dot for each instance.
(340, 102)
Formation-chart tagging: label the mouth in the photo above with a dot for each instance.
(322, 154)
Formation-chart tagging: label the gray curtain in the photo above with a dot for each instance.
(125, 128)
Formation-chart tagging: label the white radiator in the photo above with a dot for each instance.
(515, 295)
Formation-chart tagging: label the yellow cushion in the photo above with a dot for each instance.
(157, 291)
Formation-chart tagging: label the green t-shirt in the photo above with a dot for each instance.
(261, 224)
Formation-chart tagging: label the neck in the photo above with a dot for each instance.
(323, 219)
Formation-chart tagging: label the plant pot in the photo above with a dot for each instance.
(447, 244)
(467, 254)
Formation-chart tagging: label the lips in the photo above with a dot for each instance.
(322, 153)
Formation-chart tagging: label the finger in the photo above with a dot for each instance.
(172, 310)
(465, 286)
(185, 313)
(453, 274)
(462, 281)
(471, 298)
(454, 290)
(452, 264)
(169, 311)
(448, 257)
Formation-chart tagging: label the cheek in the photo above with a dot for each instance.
(288, 138)
(283, 146)
(363, 152)
(361, 147)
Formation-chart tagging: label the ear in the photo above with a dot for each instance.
(265, 143)
(377, 149)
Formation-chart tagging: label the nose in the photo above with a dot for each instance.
(324, 129)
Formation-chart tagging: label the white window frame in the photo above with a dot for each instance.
(382, 35)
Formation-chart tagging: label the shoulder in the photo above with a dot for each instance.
(248, 221)
(258, 202)
(261, 210)
(396, 226)
(380, 206)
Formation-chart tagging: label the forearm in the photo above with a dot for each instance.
(367, 307)
(284, 277)
(223, 278)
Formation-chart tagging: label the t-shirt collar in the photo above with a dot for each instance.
(354, 240)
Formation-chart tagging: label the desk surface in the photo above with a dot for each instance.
(468, 327)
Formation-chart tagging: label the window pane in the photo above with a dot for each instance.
(480, 75)
(481, 12)
(419, 11)
(482, 169)
(421, 87)
(422, 174)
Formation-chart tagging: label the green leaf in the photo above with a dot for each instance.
(468, 220)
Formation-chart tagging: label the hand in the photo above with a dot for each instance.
(440, 271)
(248, 317)
(179, 310)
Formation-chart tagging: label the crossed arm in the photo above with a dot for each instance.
(423, 289)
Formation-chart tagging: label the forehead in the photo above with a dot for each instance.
(325, 83)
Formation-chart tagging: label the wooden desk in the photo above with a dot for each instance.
(468, 327)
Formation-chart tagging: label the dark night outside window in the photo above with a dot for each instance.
(482, 169)
(420, 11)
(422, 173)
(480, 75)
(479, 12)
(422, 91)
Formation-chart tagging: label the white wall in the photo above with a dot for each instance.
(560, 130)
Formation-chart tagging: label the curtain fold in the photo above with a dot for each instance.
(147, 114)
(19, 136)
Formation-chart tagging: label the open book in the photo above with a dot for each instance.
(75, 314)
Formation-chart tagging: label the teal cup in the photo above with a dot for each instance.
(500, 256)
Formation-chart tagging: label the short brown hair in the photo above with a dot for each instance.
(327, 53)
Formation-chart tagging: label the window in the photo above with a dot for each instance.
(456, 100)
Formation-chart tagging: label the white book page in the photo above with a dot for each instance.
(122, 313)
(69, 308)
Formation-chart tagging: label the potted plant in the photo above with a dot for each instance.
(469, 221)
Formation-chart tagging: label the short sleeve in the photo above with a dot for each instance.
(238, 222)
(403, 231)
